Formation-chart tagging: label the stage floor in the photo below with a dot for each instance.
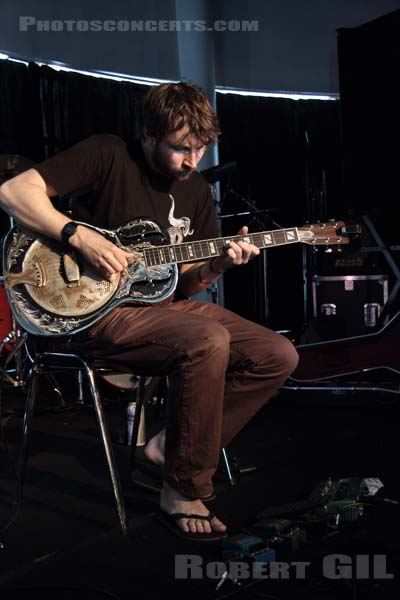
(65, 542)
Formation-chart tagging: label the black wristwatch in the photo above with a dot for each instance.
(68, 231)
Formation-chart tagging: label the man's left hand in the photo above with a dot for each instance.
(237, 253)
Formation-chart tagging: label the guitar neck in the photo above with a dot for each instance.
(203, 249)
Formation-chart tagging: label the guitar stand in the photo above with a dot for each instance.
(232, 468)
(395, 270)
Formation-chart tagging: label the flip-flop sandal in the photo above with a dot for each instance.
(170, 521)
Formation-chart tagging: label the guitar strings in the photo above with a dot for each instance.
(201, 248)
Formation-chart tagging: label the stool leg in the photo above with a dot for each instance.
(108, 450)
(56, 388)
(136, 421)
(26, 427)
(228, 467)
(148, 486)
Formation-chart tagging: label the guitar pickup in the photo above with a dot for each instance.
(71, 270)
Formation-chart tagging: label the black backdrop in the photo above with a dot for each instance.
(369, 65)
(43, 111)
(281, 147)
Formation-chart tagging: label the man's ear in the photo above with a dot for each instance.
(149, 140)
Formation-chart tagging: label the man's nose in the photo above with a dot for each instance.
(191, 160)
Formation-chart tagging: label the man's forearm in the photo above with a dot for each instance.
(197, 278)
(26, 200)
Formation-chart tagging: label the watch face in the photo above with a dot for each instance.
(68, 230)
(71, 228)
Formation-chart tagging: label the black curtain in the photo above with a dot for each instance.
(20, 111)
(289, 159)
(76, 106)
(43, 111)
(369, 62)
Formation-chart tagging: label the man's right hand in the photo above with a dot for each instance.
(27, 198)
(101, 254)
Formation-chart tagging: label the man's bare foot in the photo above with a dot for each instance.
(155, 448)
(172, 502)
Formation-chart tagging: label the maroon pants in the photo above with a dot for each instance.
(221, 369)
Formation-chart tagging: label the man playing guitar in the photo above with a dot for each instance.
(221, 368)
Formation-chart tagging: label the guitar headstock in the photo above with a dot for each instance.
(331, 233)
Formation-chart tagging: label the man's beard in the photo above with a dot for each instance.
(162, 166)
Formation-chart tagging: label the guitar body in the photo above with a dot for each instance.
(52, 291)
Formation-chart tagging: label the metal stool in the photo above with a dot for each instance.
(50, 363)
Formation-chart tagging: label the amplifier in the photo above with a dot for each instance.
(355, 300)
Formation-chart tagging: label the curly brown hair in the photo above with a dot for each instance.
(170, 106)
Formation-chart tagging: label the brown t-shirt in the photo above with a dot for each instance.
(114, 186)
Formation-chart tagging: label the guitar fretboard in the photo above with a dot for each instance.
(193, 251)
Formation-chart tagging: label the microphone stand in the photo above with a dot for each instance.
(262, 220)
(253, 210)
(260, 217)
